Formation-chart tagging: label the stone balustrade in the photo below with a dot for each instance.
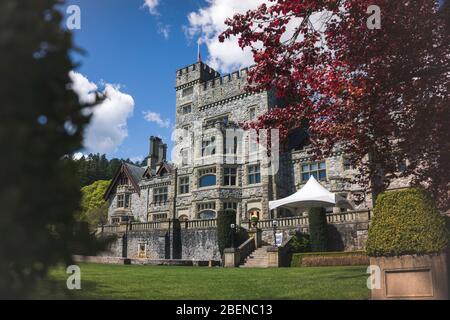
(199, 224)
(163, 224)
(290, 222)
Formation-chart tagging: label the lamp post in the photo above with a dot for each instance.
(274, 225)
(232, 227)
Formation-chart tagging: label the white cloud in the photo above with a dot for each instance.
(152, 6)
(156, 118)
(108, 127)
(83, 87)
(208, 22)
(164, 29)
(78, 155)
(137, 159)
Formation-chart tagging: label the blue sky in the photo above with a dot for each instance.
(135, 49)
(124, 45)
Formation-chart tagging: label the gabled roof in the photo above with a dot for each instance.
(149, 171)
(133, 173)
(156, 172)
(164, 165)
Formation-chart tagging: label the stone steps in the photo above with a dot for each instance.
(257, 259)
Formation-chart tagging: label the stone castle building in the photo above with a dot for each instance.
(217, 166)
(205, 180)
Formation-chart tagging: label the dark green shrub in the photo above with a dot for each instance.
(320, 259)
(224, 233)
(406, 222)
(318, 229)
(300, 243)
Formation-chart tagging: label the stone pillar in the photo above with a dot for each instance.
(175, 239)
(257, 234)
(231, 257)
(273, 257)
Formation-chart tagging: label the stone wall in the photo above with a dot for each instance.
(199, 244)
(348, 236)
(196, 244)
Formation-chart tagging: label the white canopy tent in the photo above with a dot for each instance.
(311, 195)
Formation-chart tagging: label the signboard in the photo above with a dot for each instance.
(279, 238)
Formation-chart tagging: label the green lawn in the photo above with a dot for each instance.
(164, 282)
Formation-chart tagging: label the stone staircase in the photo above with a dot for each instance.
(257, 259)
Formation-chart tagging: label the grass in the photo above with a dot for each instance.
(202, 283)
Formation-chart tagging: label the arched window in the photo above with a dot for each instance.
(207, 214)
(207, 180)
(183, 217)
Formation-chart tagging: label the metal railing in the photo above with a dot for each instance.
(246, 249)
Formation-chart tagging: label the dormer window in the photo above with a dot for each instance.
(163, 172)
(123, 181)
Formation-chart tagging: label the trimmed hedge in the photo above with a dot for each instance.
(318, 229)
(224, 232)
(300, 243)
(320, 259)
(406, 222)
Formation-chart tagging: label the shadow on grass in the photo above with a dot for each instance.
(49, 289)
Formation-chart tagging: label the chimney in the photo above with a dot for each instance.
(162, 152)
(154, 156)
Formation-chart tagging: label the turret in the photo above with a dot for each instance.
(197, 72)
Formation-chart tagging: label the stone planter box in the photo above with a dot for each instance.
(411, 277)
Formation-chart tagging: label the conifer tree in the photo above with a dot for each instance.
(41, 121)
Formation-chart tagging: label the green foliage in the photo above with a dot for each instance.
(93, 195)
(406, 222)
(41, 121)
(94, 167)
(349, 258)
(318, 229)
(97, 216)
(94, 209)
(300, 243)
(224, 232)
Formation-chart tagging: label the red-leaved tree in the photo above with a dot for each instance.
(380, 95)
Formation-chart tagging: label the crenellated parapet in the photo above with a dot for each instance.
(193, 74)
